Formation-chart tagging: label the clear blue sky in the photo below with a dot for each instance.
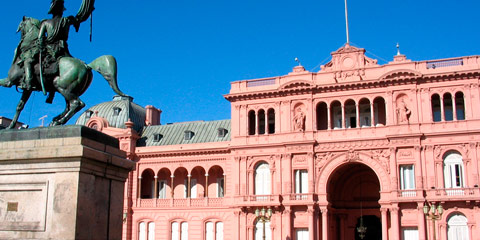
(181, 55)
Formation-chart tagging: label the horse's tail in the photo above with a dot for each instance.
(107, 66)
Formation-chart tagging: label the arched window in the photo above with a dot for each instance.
(151, 231)
(365, 113)
(336, 115)
(271, 120)
(322, 116)
(460, 106)
(219, 231)
(262, 179)
(141, 231)
(453, 170)
(448, 106)
(251, 122)
(146, 231)
(379, 110)
(214, 231)
(179, 231)
(350, 114)
(436, 109)
(457, 227)
(261, 121)
(259, 231)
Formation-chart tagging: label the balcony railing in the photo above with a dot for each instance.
(182, 202)
(258, 200)
(408, 193)
(466, 192)
(444, 63)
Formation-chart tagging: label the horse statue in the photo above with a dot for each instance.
(68, 76)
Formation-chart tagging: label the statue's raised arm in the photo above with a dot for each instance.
(84, 12)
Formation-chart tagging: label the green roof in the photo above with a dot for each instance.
(173, 134)
(128, 110)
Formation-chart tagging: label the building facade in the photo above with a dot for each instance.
(357, 150)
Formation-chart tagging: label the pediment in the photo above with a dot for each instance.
(296, 84)
(400, 74)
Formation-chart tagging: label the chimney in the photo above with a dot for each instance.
(152, 115)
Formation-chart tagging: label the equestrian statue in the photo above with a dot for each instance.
(42, 62)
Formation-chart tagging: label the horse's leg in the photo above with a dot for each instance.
(14, 76)
(20, 106)
(61, 115)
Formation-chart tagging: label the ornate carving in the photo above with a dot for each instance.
(437, 152)
(352, 155)
(382, 153)
(321, 159)
(405, 153)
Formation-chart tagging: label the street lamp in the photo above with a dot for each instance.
(435, 213)
(264, 216)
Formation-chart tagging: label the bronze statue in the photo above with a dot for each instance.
(42, 62)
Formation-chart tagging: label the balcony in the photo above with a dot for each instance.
(180, 203)
(258, 200)
(466, 194)
(299, 198)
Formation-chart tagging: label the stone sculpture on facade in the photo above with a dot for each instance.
(299, 120)
(42, 62)
(403, 112)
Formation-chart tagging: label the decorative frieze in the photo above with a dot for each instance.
(352, 144)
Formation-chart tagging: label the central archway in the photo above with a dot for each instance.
(353, 192)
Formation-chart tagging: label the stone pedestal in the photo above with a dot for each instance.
(61, 183)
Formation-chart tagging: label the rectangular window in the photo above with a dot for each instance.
(410, 233)
(151, 231)
(219, 231)
(301, 181)
(184, 231)
(209, 231)
(301, 234)
(407, 177)
(220, 183)
(174, 232)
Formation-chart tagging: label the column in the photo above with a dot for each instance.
(454, 108)
(383, 212)
(155, 193)
(324, 223)
(256, 123)
(272, 182)
(250, 182)
(171, 185)
(224, 184)
(311, 225)
(357, 112)
(329, 120)
(288, 222)
(311, 171)
(237, 223)
(343, 116)
(395, 223)
(421, 221)
(206, 185)
(442, 113)
(139, 189)
(188, 186)
(372, 115)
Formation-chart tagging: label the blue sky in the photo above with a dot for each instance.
(181, 56)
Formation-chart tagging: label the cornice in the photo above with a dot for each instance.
(401, 77)
(190, 153)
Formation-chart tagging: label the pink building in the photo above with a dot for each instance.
(355, 150)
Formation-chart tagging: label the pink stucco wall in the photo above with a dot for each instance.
(353, 166)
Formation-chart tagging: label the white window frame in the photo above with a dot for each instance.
(301, 234)
(262, 179)
(453, 170)
(301, 181)
(407, 177)
(457, 227)
(410, 233)
(259, 231)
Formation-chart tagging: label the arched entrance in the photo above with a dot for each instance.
(353, 191)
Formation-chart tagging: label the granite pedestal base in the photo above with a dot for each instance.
(61, 183)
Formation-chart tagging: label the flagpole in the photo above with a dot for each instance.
(346, 22)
